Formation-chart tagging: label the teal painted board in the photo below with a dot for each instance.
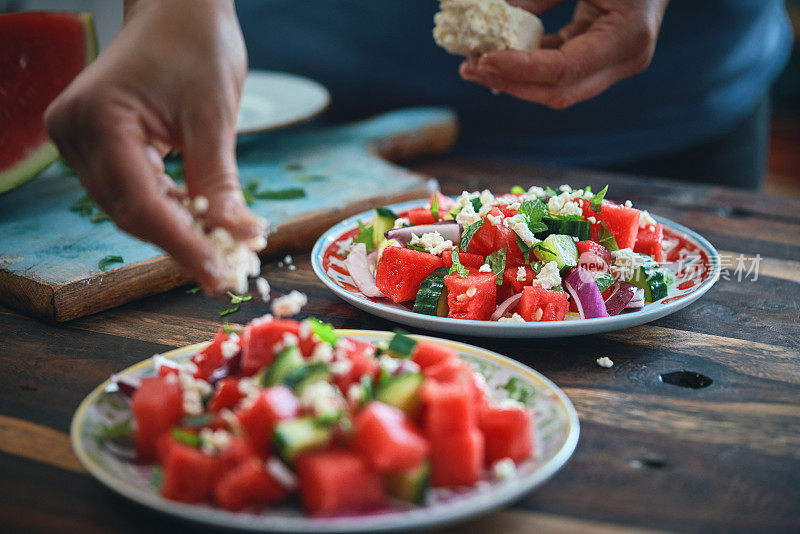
(49, 254)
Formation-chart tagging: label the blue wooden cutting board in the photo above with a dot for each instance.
(49, 254)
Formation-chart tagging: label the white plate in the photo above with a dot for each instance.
(273, 100)
(556, 434)
(693, 279)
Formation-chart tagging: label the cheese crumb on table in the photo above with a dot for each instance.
(289, 305)
(605, 361)
(263, 289)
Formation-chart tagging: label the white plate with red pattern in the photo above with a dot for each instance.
(694, 260)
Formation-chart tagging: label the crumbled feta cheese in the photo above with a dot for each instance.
(159, 361)
(239, 259)
(306, 329)
(591, 220)
(534, 192)
(548, 277)
(516, 318)
(485, 268)
(230, 347)
(199, 205)
(624, 263)
(282, 474)
(401, 222)
(293, 267)
(214, 441)
(232, 421)
(487, 198)
(605, 361)
(355, 394)
(389, 364)
(510, 404)
(289, 305)
(288, 340)
(344, 246)
(495, 219)
(504, 469)
(522, 274)
(563, 205)
(321, 398)
(263, 289)
(280, 265)
(519, 225)
(288, 259)
(250, 390)
(645, 219)
(194, 391)
(323, 352)
(471, 290)
(341, 366)
(565, 188)
(433, 242)
(628, 204)
(467, 216)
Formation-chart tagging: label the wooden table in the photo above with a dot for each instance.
(652, 456)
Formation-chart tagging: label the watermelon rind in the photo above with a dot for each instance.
(40, 157)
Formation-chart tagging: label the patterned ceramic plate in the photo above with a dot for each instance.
(694, 260)
(556, 434)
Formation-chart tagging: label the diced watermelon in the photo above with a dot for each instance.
(337, 480)
(227, 395)
(272, 405)
(259, 338)
(511, 283)
(238, 451)
(593, 256)
(157, 406)
(417, 216)
(457, 458)
(648, 241)
(427, 353)
(208, 359)
(539, 304)
(465, 258)
(362, 359)
(507, 432)
(248, 485)
(473, 297)
(400, 272)
(448, 406)
(489, 237)
(163, 446)
(189, 474)
(387, 439)
(623, 222)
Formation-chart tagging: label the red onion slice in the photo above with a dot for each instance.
(619, 299)
(581, 286)
(507, 306)
(637, 301)
(449, 230)
(123, 384)
(358, 267)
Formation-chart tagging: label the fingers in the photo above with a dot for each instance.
(535, 6)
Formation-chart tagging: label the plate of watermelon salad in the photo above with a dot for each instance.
(527, 263)
(292, 426)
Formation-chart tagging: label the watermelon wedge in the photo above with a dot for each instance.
(40, 54)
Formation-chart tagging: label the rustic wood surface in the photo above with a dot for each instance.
(651, 456)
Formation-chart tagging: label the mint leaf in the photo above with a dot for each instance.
(229, 329)
(497, 261)
(468, 234)
(229, 311)
(157, 477)
(365, 236)
(519, 391)
(538, 227)
(550, 192)
(476, 204)
(457, 268)
(435, 207)
(324, 331)
(123, 429)
(525, 249)
(606, 238)
(604, 281)
(597, 201)
(238, 299)
(281, 194)
(188, 438)
(108, 260)
(565, 217)
(193, 291)
(534, 210)
(517, 190)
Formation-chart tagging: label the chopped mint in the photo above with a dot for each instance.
(435, 207)
(597, 201)
(604, 281)
(324, 331)
(365, 236)
(238, 299)
(457, 268)
(518, 390)
(294, 166)
(99, 216)
(533, 209)
(469, 233)
(122, 429)
(193, 291)
(310, 178)
(550, 192)
(606, 238)
(229, 311)
(497, 261)
(386, 212)
(229, 329)
(517, 190)
(157, 477)
(281, 194)
(197, 420)
(108, 260)
(526, 250)
(189, 438)
(84, 206)
(476, 204)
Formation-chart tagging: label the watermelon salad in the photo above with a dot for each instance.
(525, 256)
(280, 412)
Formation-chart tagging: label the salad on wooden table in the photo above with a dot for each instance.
(525, 256)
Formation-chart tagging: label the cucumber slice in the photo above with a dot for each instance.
(410, 485)
(579, 229)
(384, 221)
(432, 295)
(287, 360)
(298, 379)
(652, 278)
(386, 243)
(303, 434)
(558, 248)
(401, 391)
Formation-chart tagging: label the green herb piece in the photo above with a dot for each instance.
(401, 345)
(188, 438)
(197, 420)
(550, 192)
(559, 287)
(229, 329)
(537, 266)
(386, 212)
(526, 250)
(84, 206)
(238, 299)
(193, 291)
(281, 194)
(517, 190)
(365, 236)
(99, 216)
(469, 233)
(457, 268)
(324, 331)
(435, 207)
(308, 178)
(108, 260)
(229, 311)
(476, 204)
(566, 217)
(587, 189)
(294, 166)
(606, 238)
(418, 248)
(518, 390)
(534, 210)
(157, 477)
(122, 429)
(597, 201)
(497, 261)
(604, 281)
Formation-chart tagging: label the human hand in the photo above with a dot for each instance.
(607, 41)
(171, 80)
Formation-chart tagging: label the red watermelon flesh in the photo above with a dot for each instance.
(40, 54)
(473, 297)
(649, 241)
(400, 272)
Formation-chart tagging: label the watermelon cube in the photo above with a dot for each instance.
(489, 237)
(227, 395)
(473, 297)
(457, 458)
(189, 474)
(259, 338)
(448, 406)
(512, 283)
(622, 221)
(428, 353)
(538, 304)
(337, 480)
(157, 406)
(210, 358)
(258, 420)
(238, 451)
(593, 256)
(400, 272)
(417, 216)
(648, 241)
(248, 485)
(507, 432)
(465, 258)
(387, 439)
(362, 362)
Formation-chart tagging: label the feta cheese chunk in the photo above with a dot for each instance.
(214, 441)
(516, 318)
(519, 224)
(605, 361)
(230, 347)
(433, 242)
(239, 259)
(645, 219)
(522, 274)
(549, 277)
(263, 289)
(289, 305)
(485, 268)
(401, 222)
(467, 27)
(504, 469)
(321, 398)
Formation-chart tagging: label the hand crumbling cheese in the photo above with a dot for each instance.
(466, 27)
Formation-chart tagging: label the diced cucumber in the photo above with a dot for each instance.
(401, 391)
(432, 295)
(287, 360)
(383, 222)
(298, 379)
(402, 345)
(410, 485)
(579, 229)
(652, 278)
(294, 436)
(558, 248)
(386, 243)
